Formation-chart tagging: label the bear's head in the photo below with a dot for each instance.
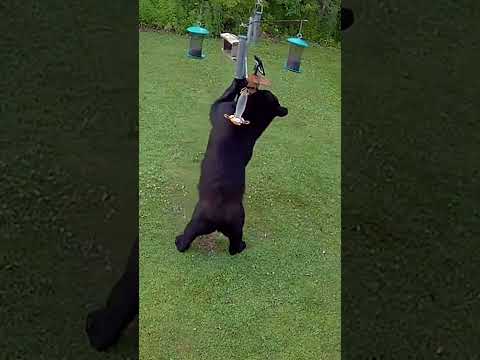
(262, 107)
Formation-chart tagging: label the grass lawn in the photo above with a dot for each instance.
(280, 299)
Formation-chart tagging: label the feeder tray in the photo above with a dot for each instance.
(237, 121)
(297, 46)
(197, 34)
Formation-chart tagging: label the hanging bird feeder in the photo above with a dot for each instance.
(230, 45)
(297, 46)
(197, 34)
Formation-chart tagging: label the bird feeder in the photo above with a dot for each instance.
(297, 46)
(197, 34)
(241, 66)
(230, 45)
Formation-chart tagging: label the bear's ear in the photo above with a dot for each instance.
(282, 111)
(346, 18)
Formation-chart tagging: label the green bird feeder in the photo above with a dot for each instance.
(297, 46)
(197, 34)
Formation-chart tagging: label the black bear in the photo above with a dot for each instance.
(105, 326)
(222, 180)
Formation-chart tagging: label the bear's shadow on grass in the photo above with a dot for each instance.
(212, 244)
(209, 244)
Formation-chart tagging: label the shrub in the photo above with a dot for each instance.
(227, 15)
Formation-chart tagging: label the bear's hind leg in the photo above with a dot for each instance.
(198, 226)
(235, 235)
(233, 228)
(104, 326)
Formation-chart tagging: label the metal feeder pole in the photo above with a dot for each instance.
(241, 68)
(251, 30)
(256, 26)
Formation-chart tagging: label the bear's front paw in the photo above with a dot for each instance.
(241, 83)
(237, 248)
(181, 245)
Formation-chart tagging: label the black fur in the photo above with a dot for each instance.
(222, 180)
(105, 326)
(346, 18)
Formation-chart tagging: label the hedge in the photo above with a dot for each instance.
(228, 15)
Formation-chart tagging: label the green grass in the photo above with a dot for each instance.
(281, 298)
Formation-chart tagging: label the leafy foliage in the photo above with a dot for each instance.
(228, 15)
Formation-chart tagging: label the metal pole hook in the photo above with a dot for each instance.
(259, 7)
